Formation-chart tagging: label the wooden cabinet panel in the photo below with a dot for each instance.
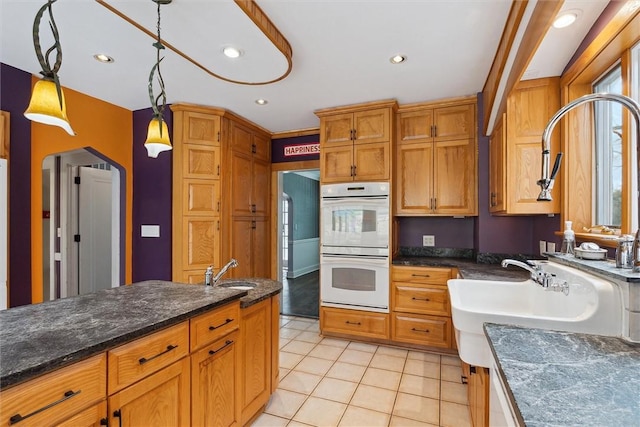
(93, 416)
(372, 126)
(262, 147)
(213, 325)
(201, 128)
(424, 275)
(455, 122)
(354, 322)
(497, 167)
(336, 129)
(371, 162)
(455, 173)
(241, 138)
(414, 180)
(255, 358)
(421, 300)
(260, 192)
(161, 399)
(477, 380)
(200, 242)
(275, 342)
(437, 159)
(137, 359)
(51, 398)
(336, 163)
(214, 388)
(260, 251)
(422, 330)
(201, 197)
(200, 161)
(241, 184)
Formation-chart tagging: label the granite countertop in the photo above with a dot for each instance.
(467, 268)
(37, 338)
(606, 268)
(567, 379)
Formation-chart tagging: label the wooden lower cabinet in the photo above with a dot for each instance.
(214, 384)
(477, 380)
(93, 416)
(431, 331)
(354, 322)
(159, 399)
(56, 397)
(275, 342)
(255, 358)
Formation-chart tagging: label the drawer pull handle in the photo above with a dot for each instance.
(226, 344)
(67, 395)
(353, 323)
(426, 331)
(213, 328)
(144, 360)
(118, 414)
(420, 299)
(464, 379)
(420, 275)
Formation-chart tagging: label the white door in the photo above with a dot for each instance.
(94, 218)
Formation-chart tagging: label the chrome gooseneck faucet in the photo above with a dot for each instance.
(547, 180)
(232, 263)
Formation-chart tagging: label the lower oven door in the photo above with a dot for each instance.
(356, 282)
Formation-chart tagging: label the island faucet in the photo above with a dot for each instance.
(232, 263)
(546, 182)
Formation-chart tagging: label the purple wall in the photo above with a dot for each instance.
(151, 203)
(15, 91)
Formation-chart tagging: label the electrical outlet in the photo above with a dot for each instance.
(428, 240)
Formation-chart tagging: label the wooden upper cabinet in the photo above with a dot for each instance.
(199, 161)
(199, 128)
(516, 169)
(356, 141)
(262, 150)
(436, 159)
(4, 134)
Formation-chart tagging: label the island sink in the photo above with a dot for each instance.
(592, 306)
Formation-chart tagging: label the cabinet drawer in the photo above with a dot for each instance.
(355, 322)
(137, 359)
(430, 276)
(54, 397)
(215, 324)
(420, 299)
(431, 331)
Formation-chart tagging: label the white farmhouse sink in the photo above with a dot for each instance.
(592, 306)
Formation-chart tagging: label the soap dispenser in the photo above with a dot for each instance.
(208, 275)
(569, 240)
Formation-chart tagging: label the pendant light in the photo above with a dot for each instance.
(47, 104)
(158, 132)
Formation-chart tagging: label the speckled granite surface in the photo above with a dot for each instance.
(605, 268)
(37, 338)
(468, 268)
(568, 379)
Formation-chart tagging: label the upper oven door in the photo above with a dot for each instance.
(355, 225)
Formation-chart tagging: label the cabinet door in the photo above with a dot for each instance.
(201, 242)
(456, 122)
(255, 358)
(455, 184)
(200, 161)
(371, 161)
(414, 178)
(240, 247)
(262, 145)
(372, 126)
(94, 416)
(415, 126)
(214, 392)
(336, 129)
(497, 167)
(275, 342)
(336, 163)
(203, 129)
(260, 192)
(241, 138)
(201, 197)
(241, 183)
(161, 399)
(260, 250)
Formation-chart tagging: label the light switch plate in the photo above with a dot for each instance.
(150, 231)
(428, 240)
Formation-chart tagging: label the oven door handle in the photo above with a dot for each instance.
(360, 257)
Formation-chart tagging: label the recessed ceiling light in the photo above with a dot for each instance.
(231, 52)
(566, 18)
(397, 59)
(101, 57)
(261, 101)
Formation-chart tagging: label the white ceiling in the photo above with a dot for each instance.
(341, 51)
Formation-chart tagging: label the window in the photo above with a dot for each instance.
(608, 150)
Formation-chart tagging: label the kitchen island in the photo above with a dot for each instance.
(567, 379)
(42, 341)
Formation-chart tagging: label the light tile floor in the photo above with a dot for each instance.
(334, 382)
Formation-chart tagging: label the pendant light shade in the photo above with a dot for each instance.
(44, 106)
(157, 138)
